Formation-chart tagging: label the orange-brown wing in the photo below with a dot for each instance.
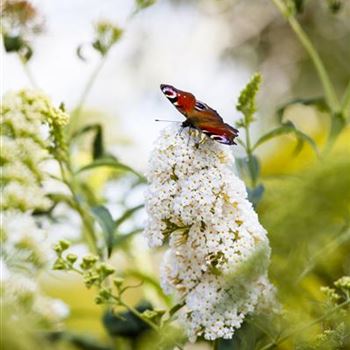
(221, 132)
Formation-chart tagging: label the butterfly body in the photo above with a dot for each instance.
(200, 116)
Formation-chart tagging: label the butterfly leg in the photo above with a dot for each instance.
(189, 137)
(180, 131)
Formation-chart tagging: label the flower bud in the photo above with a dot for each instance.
(59, 264)
(105, 270)
(118, 281)
(88, 261)
(72, 258)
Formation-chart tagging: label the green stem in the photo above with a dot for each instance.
(249, 151)
(345, 104)
(341, 237)
(29, 74)
(328, 87)
(312, 323)
(91, 81)
(139, 315)
(216, 344)
(88, 224)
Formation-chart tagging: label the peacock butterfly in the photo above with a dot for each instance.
(200, 116)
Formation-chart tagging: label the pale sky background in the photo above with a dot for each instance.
(179, 45)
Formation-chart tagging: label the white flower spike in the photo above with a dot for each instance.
(218, 252)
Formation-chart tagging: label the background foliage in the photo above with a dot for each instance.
(294, 156)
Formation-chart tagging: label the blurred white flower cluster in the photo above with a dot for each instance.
(29, 125)
(219, 253)
(24, 254)
(28, 119)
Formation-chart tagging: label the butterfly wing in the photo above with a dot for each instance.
(220, 132)
(200, 116)
(208, 121)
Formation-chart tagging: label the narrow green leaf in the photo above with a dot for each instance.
(111, 163)
(79, 52)
(286, 128)
(60, 197)
(255, 194)
(107, 224)
(127, 215)
(305, 138)
(151, 281)
(248, 166)
(97, 145)
(126, 324)
(86, 129)
(142, 4)
(176, 308)
(318, 102)
(120, 239)
(13, 43)
(81, 342)
(254, 167)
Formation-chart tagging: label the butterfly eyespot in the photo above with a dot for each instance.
(200, 106)
(169, 92)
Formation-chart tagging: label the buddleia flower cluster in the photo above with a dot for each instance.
(31, 129)
(31, 133)
(218, 252)
(24, 255)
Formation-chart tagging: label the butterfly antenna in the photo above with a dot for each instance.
(164, 120)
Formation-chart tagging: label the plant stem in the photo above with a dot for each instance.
(139, 315)
(88, 224)
(328, 87)
(29, 74)
(216, 344)
(312, 323)
(249, 151)
(345, 104)
(85, 93)
(341, 237)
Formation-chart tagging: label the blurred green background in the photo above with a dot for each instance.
(209, 47)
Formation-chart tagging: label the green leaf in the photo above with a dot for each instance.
(111, 163)
(255, 194)
(299, 5)
(305, 138)
(126, 324)
(13, 43)
(107, 34)
(60, 197)
(287, 128)
(127, 214)
(107, 224)
(98, 143)
(176, 308)
(120, 239)
(246, 101)
(335, 5)
(79, 52)
(82, 342)
(249, 167)
(337, 125)
(254, 167)
(142, 4)
(150, 280)
(317, 102)
(98, 148)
